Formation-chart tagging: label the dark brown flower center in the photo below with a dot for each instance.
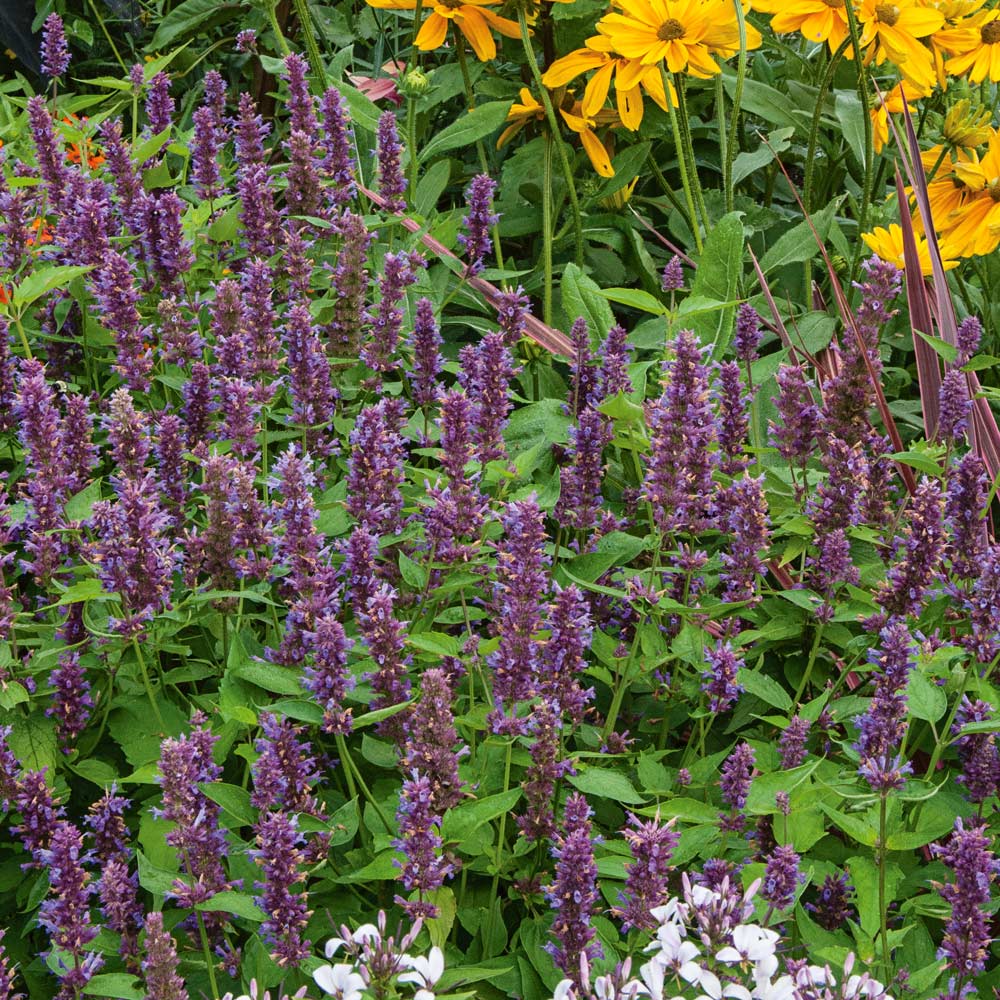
(670, 30)
(887, 13)
(836, 4)
(990, 33)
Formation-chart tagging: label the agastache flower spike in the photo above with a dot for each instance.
(328, 677)
(71, 701)
(284, 773)
(338, 162)
(391, 183)
(387, 320)
(280, 857)
(653, 844)
(964, 507)
(425, 344)
(118, 304)
(375, 472)
(955, 406)
(573, 892)
(748, 526)
(106, 820)
(522, 580)
(580, 498)
(160, 965)
(833, 908)
(734, 422)
(309, 383)
(977, 751)
(6, 974)
(40, 814)
(481, 218)
(431, 739)
(128, 435)
(672, 279)
(349, 286)
(538, 822)
(55, 51)
(424, 869)
(967, 937)
(51, 163)
(490, 390)
(303, 192)
(66, 913)
(118, 892)
(301, 108)
(682, 429)
(563, 655)
(970, 330)
(384, 634)
(613, 376)
(748, 334)
(513, 309)
(737, 776)
(795, 435)
(792, 742)
(159, 104)
(719, 681)
(205, 148)
(781, 878)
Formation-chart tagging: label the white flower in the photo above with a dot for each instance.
(340, 981)
(652, 977)
(423, 995)
(783, 989)
(564, 990)
(425, 971)
(673, 911)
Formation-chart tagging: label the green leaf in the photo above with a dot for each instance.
(80, 506)
(918, 460)
(44, 280)
(851, 116)
(153, 878)
(435, 642)
(430, 186)
(746, 163)
(89, 589)
(766, 688)
(150, 147)
(99, 772)
(412, 572)
(799, 243)
(614, 549)
(470, 128)
(635, 298)
(238, 903)
(940, 347)
(277, 680)
(925, 699)
(114, 984)
(606, 784)
(370, 718)
(232, 798)
(364, 112)
(192, 15)
(717, 277)
(581, 296)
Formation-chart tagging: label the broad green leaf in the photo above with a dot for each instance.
(44, 280)
(766, 688)
(940, 347)
(430, 187)
(238, 903)
(850, 114)
(470, 128)
(233, 799)
(925, 699)
(606, 784)
(635, 298)
(120, 985)
(799, 243)
(581, 296)
(192, 15)
(746, 163)
(719, 270)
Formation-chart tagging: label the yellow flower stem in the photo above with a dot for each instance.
(807, 182)
(866, 190)
(720, 113)
(682, 162)
(547, 230)
(272, 16)
(550, 116)
(685, 123)
(412, 62)
(470, 96)
(729, 148)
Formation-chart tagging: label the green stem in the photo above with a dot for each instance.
(500, 839)
(110, 40)
(148, 685)
(804, 683)
(946, 729)
(312, 46)
(685, 123)
(883, 916)
(682, 162)
(411, 142)
(23, 336)
(866, 190)
(807, 182)
(720, 114)
(209, 964)
(272, 16)
(729, 150)
(348, 762)
(547, 229)
(550, 116)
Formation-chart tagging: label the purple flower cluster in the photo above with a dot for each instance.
(481, 218)
(424, 869)
(653, 844)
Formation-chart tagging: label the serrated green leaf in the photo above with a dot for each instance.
(238, 903)
(606, 784)
(470, 128)
(581, 296)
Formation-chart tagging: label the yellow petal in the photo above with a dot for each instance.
(599, 158)
(432, 33)
(473, 25)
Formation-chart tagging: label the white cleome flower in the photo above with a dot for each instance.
(340, 981)
(564, 990)
(425, 972)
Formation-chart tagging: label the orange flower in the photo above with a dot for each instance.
(74, 154)
(892, 103)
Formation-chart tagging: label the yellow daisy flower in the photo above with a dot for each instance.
(680, 33)
(631, 78)
(472, 17)
(893, 30)
(530, 110)
(887, 244)
(815, 20)
(892, 103)
(975, 47)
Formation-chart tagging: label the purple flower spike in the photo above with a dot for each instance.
(338, 160)
(545, 728)
(719, 681)
(71, 701)
(424, 869)
(573, 892)
(426, 346)
(748, 334)
(159, 967)
(391, 183)
(280, 857)
(55, 51)
(673, 275)
(476, 239)
(159, 104)
(652, 843)
(328, 676)
(431, 741)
